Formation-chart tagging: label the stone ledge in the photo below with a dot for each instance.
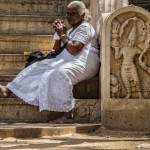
(14, 110)
(40, 130)
(33, 7)
(87, 89)
(13, 58)
(32, 1)
(17, 44)
(27, 24)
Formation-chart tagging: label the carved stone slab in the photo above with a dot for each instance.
(126, 69)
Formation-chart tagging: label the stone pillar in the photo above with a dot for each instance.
(112, 5)
(95, 13)
(125, 69)
(99, 9)
(108, 6)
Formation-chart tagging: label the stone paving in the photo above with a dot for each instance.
(100, 139)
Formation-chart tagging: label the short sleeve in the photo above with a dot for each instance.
(83, 33)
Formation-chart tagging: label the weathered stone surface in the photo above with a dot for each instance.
(39, 130)
(87, 110)
(128, 114)
(11, 64)
(99, 9)
(13, 58)
(87, 89)
(125, 82)
(10, 71)
(15, 110)
(33, 7)
(31, 25)
(11, 68)
(6, 78)
(17, 44)
(108, 6)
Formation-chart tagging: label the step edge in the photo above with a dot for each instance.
(52, 130)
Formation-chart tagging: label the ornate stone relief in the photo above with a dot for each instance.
(114, 87)
(125, 66)
(129, 56)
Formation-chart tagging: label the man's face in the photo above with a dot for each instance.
(73, 17)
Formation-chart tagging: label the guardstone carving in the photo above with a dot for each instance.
(130, 43)
(125, 70)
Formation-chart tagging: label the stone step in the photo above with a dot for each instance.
(17, 44)
(88, 89)
(11, 64)
(39, 130)
(14, 110)
(22, 24)
(33, 7)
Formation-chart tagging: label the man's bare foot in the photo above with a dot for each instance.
(6, 92)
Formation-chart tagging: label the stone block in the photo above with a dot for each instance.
(87, 89)
(14, 110)
(33, 7)
(17, 44)
(11, 64)
(125, 82)
(10, 71)
(30, 25)
(87, 110)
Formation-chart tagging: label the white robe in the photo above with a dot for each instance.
(49, 83)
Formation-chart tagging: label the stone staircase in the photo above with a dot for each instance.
(26, 25)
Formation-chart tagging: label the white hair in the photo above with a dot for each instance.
(81, 8)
